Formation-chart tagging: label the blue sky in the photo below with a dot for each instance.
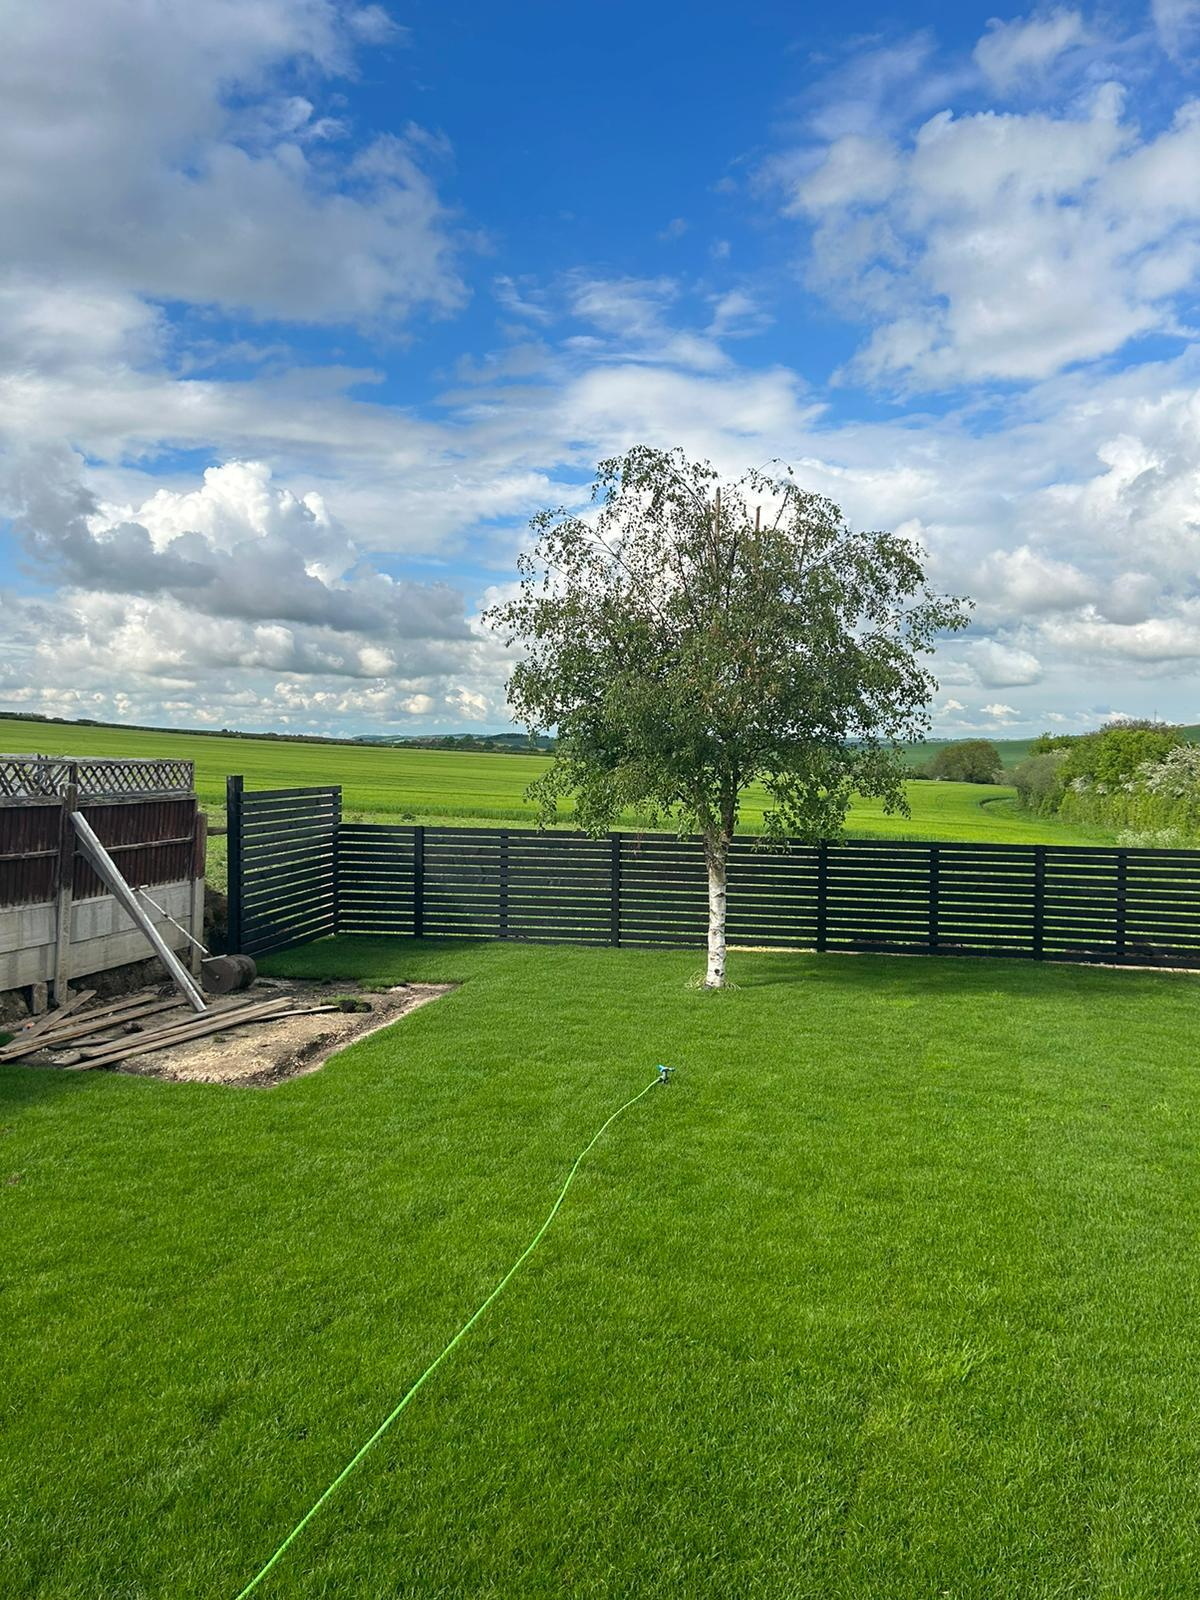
(306, 307)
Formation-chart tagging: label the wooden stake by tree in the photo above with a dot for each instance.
(684, 645)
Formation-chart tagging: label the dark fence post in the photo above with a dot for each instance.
(233, 819)
(337, 859)
(614, 901)
(418, 881)
(1039, 899)
(822, 895)
(934, 884)
(502, 907)
(1122, 873)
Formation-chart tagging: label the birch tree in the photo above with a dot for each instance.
(685, 638)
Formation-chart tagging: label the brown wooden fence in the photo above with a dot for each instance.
(57, 919)
(298, 872)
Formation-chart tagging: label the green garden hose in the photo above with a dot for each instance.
(663, 1077)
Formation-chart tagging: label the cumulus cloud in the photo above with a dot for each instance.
(1003, 666)
(1157, 642)
(162, 152)
(236, 548)
(1024, 582)
(1003, 245)
(169, 603)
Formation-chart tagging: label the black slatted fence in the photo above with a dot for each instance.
(283, 866)
(298, 872)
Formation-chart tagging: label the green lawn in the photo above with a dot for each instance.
(455, 788)
(892, 1294)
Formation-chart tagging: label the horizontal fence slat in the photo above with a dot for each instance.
(259, 799)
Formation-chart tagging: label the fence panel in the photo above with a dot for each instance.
(1159, 907)
(283, 875)
(376, 878)
(297, 872)
(555, 888)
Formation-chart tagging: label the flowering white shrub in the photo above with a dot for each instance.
(1176, 775)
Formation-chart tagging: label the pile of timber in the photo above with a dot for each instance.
(81, 1036)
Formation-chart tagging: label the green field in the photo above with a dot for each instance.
(398, 783)
(891, 1295)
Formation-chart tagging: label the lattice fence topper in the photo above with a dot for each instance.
(33, 777)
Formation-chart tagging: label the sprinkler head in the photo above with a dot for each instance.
(664, 1074)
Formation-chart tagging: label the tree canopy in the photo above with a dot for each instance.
(966, 761)
(686, 638)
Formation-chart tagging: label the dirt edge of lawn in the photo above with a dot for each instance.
(261, 1055)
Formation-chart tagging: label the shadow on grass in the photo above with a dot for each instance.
(939, 976)
(24, 1086)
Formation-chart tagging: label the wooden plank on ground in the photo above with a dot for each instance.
(46, 1021)
(84, 1027)
(184, 1033)
(123, 1002)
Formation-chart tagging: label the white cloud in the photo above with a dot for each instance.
(1156, 642)
(632, 318)
(1003, 245)
(213, 588)
(1009, 52)
(1002, 666)
(236, 548)
(158, 151)
(1000, 712)
(1024, 582)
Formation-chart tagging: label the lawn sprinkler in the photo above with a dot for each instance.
(664, 1073)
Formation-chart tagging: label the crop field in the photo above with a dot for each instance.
(397, 783)
(891, 1294)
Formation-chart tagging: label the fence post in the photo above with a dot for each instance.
(65, 890)
(336, 843)
(822, 895)
(1039, 899)
(419, 881)
(502, 907)
(199, 859)
(934, 885)
(614, 892)
(233, 821)
(1122, 873)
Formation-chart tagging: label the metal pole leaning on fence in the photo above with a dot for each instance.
(110, 876)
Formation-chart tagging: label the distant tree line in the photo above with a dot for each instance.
(1137, 777)
(500, 743)
(521, 742)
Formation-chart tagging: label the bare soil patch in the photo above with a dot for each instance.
(265, 1053)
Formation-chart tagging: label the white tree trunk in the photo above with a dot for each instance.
(715, 854)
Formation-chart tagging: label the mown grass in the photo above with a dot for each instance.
(891, 1294)
(458, 789)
